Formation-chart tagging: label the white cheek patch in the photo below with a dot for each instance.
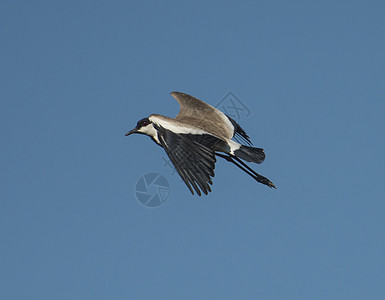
(150, 131)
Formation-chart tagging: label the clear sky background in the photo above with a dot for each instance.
(76, 75)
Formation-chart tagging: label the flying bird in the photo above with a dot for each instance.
(194, 138)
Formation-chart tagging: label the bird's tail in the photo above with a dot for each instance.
(250, 154)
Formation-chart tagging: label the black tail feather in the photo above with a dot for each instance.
(250, 154)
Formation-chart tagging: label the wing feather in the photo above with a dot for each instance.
(193, 157)
(240, 134)
(203, 116)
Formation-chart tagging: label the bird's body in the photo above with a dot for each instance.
(195, 136)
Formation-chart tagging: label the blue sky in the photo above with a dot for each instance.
(77, 75)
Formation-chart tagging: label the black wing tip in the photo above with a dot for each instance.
(199, 190)
(204, 192)
(242, 140)
(240, 134)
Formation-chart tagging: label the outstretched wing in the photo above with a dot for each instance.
(192, 156)
(203, 115)
(192, 107)
(239, 134)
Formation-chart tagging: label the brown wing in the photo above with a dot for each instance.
(203, 116)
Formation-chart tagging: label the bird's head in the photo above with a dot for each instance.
(144, 126)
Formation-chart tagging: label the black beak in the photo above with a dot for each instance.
(131, 131)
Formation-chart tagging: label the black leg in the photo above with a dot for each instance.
(247, 169)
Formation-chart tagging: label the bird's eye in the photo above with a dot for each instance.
(143, 122)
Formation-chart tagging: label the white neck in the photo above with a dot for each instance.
(150, 131)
